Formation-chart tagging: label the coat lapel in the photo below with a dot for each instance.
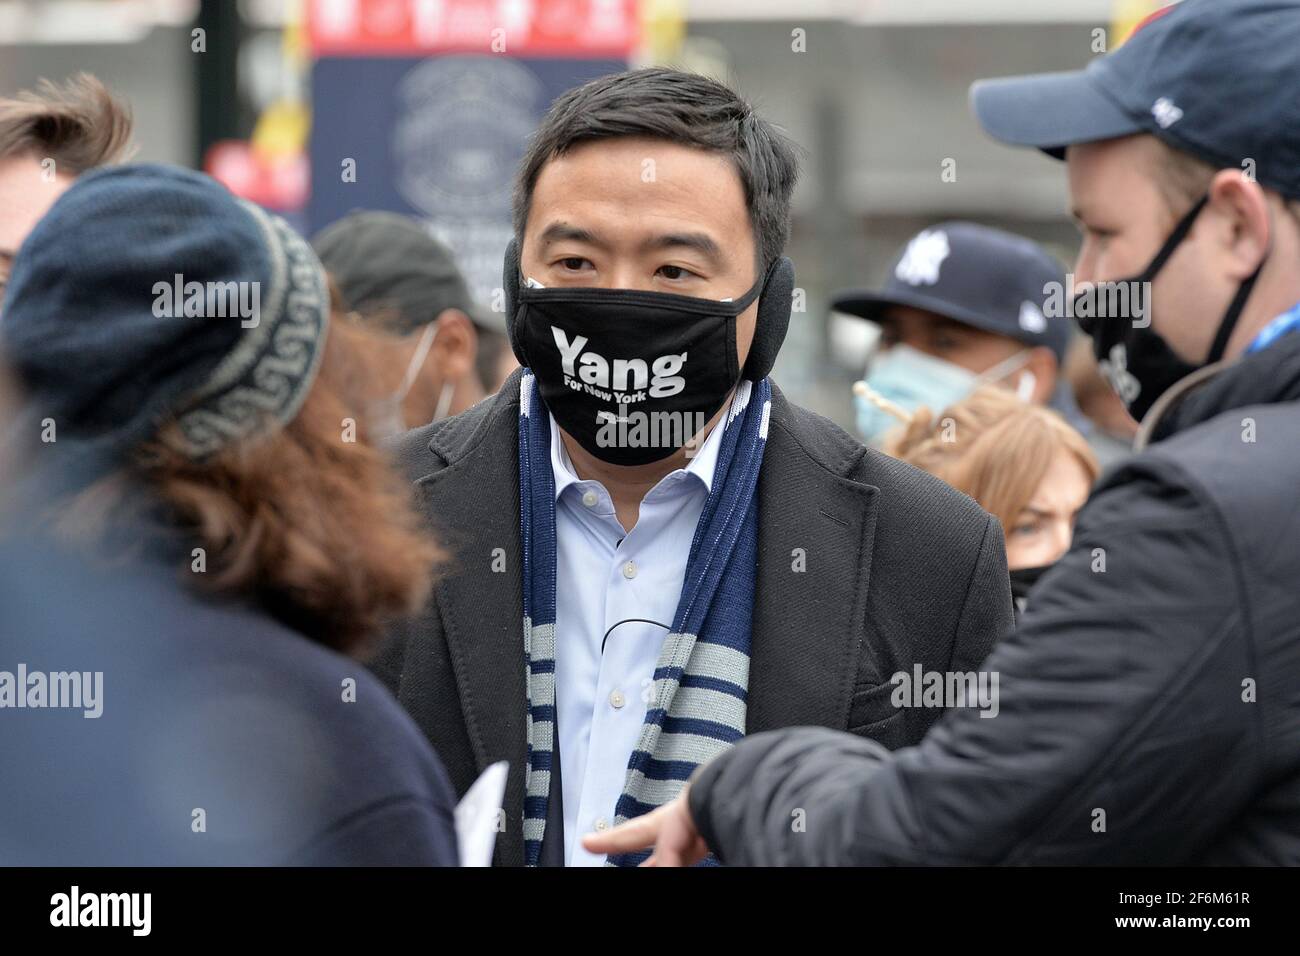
(474, 502)
(808, 624)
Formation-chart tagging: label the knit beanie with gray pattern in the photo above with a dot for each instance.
(150, 294)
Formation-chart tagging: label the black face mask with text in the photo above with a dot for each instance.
(632, 376)
(1136, 360)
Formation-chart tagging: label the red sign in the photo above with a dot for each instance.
(278, 183)
(582, 28)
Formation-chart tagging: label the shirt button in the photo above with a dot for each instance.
(589, 499)
(617, 700)
(629, 570)
(602, 823)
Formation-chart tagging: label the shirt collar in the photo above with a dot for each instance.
(700, 467)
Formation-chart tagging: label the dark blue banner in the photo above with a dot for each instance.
(439, 138)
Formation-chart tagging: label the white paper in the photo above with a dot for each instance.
(477, 815)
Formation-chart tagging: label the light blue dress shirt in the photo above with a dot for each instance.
(604, 575)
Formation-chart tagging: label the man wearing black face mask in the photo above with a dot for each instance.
(1150, 697)
(653, 552)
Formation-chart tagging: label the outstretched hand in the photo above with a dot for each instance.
(669, 829)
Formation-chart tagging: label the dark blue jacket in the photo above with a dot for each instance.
(224, 738)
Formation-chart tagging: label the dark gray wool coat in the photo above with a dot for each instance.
(866, 567)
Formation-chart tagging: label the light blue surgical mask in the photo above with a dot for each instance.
(909, 379)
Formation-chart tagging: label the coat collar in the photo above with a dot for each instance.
(1268, 376)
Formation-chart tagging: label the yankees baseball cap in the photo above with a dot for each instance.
(976, 275)
(387, 264)
(1207, 77)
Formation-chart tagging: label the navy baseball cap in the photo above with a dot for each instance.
(976, 275)
(1207, 77)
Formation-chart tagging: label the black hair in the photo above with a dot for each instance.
(683, 108)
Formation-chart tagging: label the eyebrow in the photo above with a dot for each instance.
(563, 232)
(700, 242)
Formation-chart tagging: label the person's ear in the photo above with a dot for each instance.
(1042, 365)
(455, 346)
(1242, 207)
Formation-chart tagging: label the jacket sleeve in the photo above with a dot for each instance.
(409, 831)
(1118, 704)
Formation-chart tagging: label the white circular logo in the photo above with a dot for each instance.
(461, 129)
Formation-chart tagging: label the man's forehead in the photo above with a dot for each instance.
(1102, 162)
(636, 153)
(643, 175)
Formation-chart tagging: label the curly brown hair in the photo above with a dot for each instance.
(310, 522)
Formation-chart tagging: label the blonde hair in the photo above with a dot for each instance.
(991, 446)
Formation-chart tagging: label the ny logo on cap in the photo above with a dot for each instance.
(922, 258)
(1165, 112)
(1031, 317)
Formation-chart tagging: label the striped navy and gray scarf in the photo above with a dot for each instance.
(697, 707)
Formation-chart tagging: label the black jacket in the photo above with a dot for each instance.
(223, 738)
(1149, 712)
(899, 569)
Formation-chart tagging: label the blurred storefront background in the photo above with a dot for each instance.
(274, 96)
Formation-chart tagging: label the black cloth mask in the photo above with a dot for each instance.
(632, 376)
(1136, 360)
(1023, 579)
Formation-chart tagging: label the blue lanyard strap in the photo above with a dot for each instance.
(1284, 323)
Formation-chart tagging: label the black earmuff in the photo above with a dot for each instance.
(774, 305)
(510, 285)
